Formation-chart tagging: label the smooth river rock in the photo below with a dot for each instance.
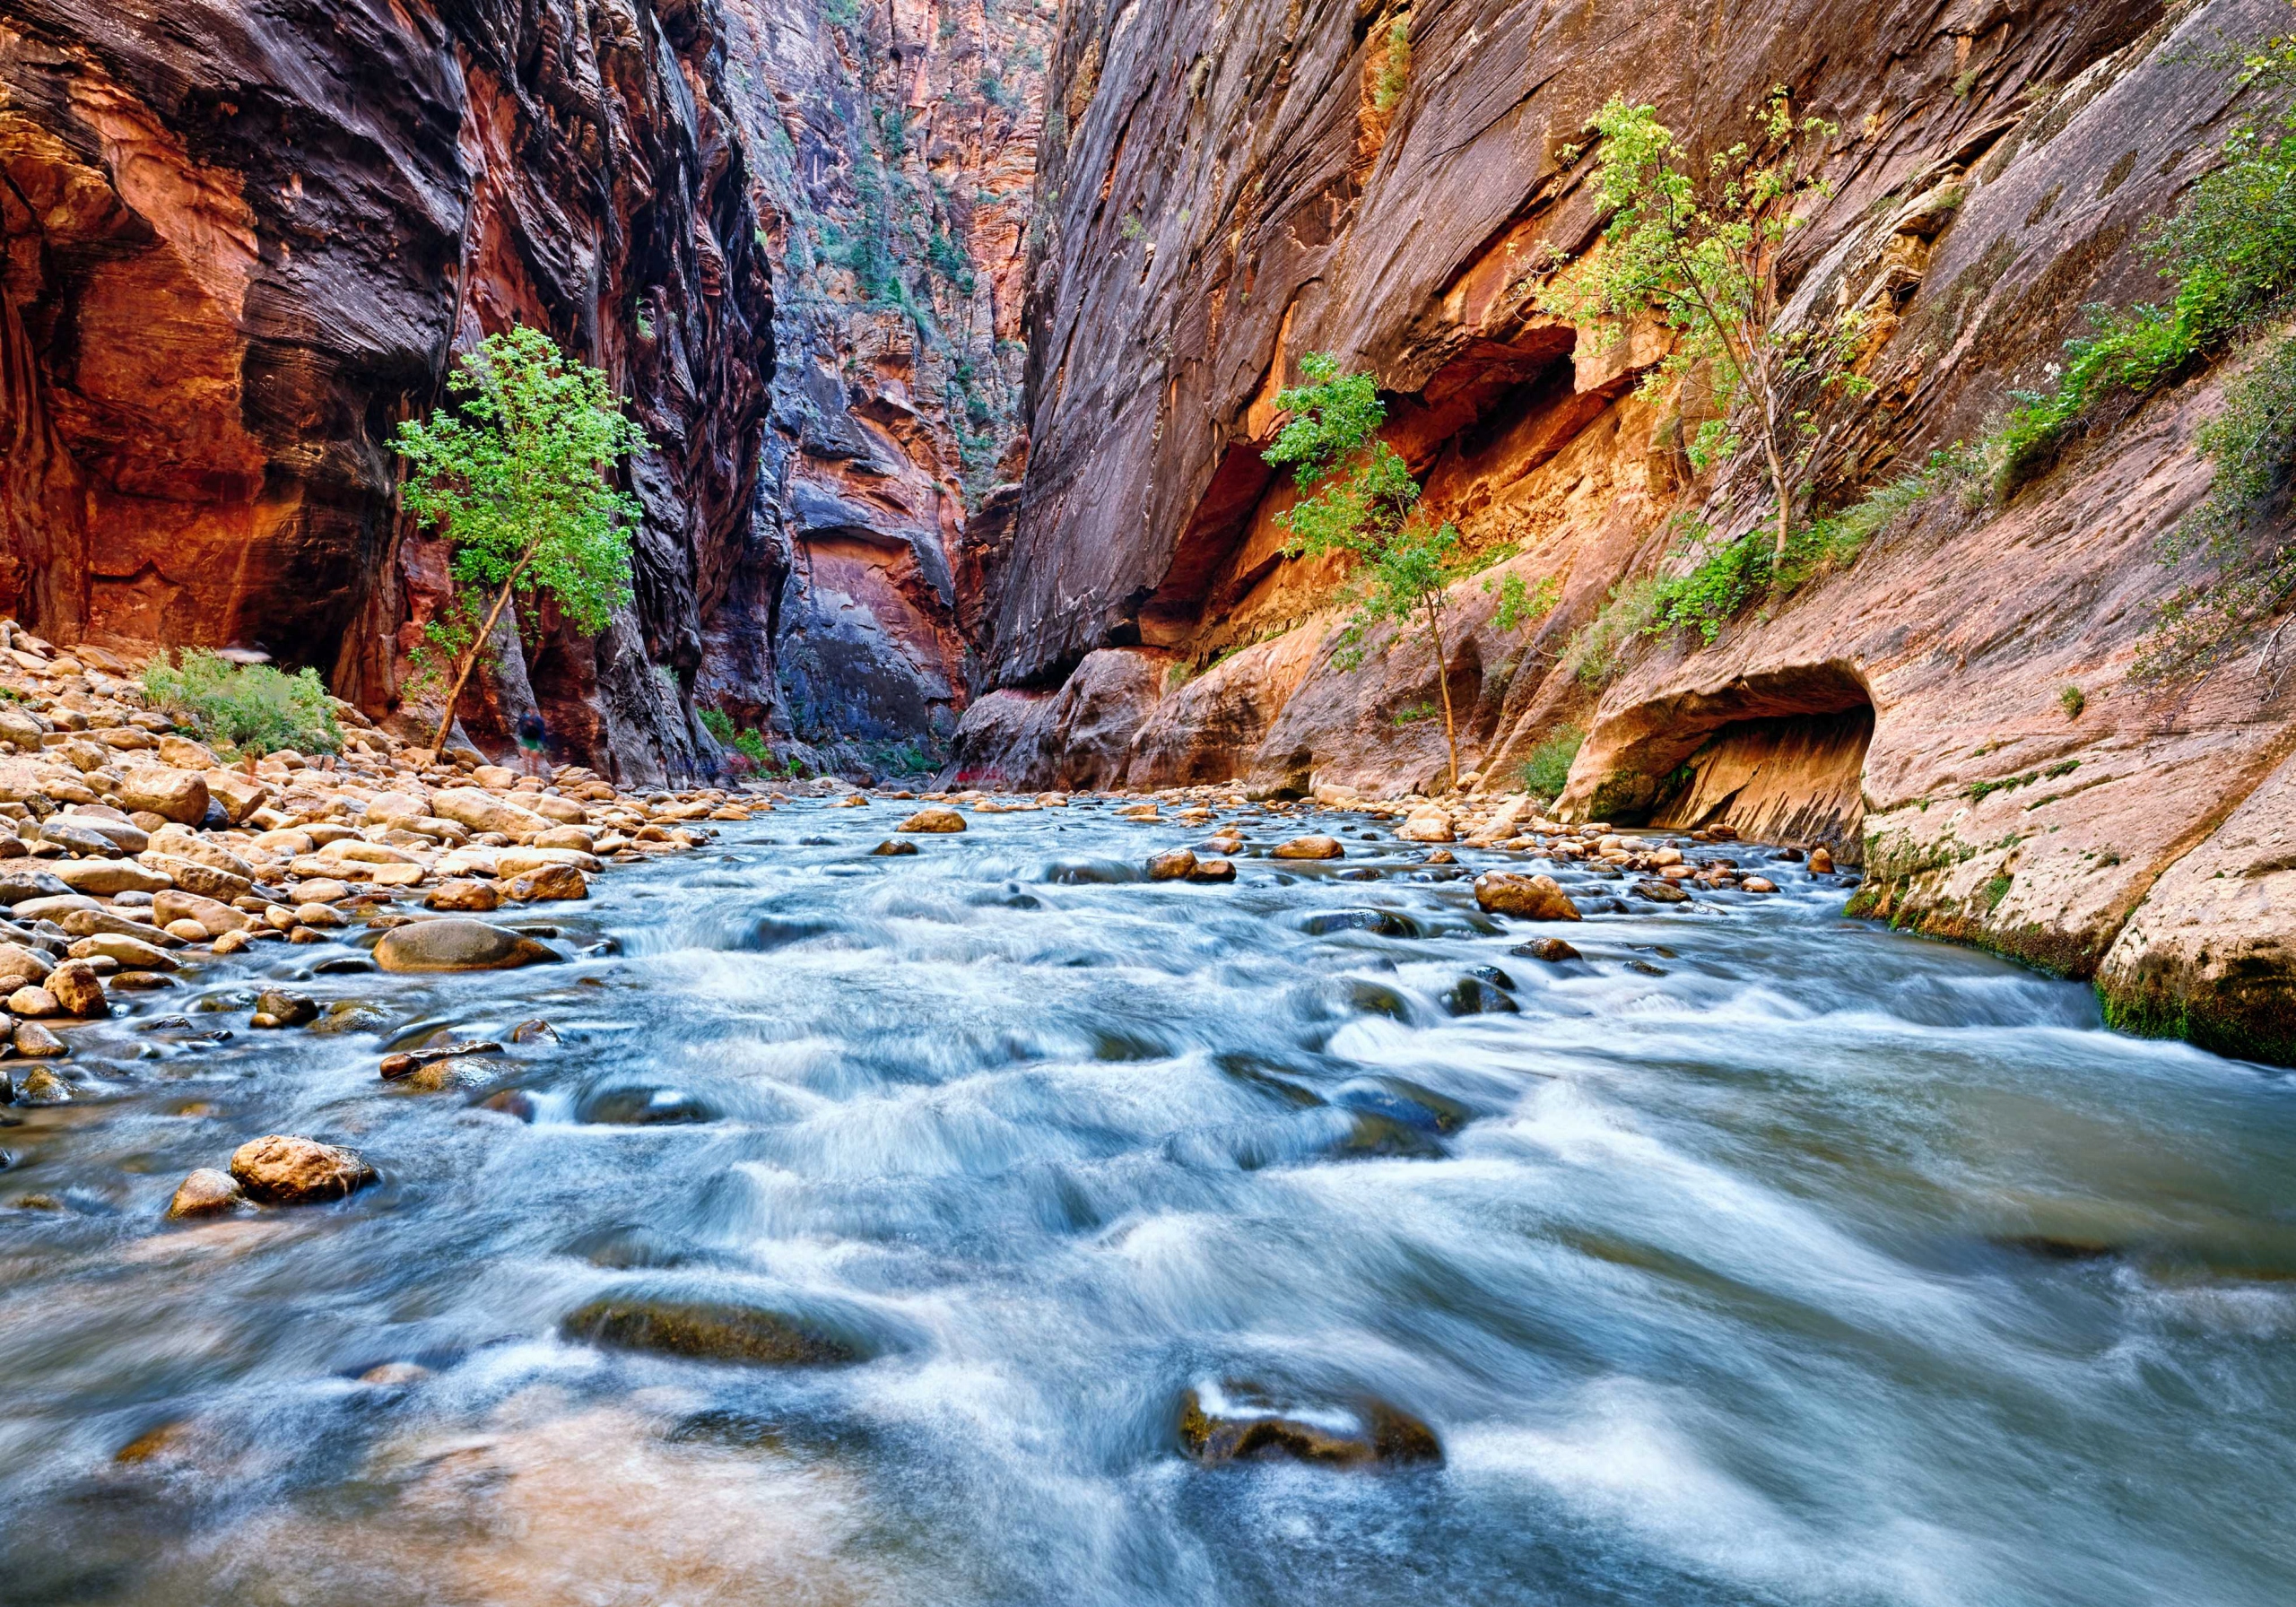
(284, 1170)
(1310, 847)
(709, 1330)
(1215, 1430)
(933, 819)
(1526, 897)
(453, 944)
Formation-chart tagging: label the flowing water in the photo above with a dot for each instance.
(1761, 1256)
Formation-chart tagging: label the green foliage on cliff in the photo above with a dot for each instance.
(515, 473)
(1547, 771)
(1395, 69)
(1699, 245)
(1357, 500)
(244, 708)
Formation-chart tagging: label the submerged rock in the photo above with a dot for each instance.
(1552, 949)
(709, 1330)
(1472, 996)
(1241, 1423)
(893, 846)
(1385, 922)
(276, 1007)
(284, 1170)
(1660, 892)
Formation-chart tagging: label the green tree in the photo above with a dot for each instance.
(1358, 499)
(516, 475)
(1699, 243)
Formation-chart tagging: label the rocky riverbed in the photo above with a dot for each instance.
(1551, 1217)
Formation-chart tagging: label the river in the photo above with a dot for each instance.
(1759, 1257)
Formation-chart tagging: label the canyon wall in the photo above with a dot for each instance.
(244, 241)
(892, 152)
(1225, 188)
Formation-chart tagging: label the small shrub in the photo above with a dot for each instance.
(1593, 652)
(1412, 713)
(244, 708)
(1520, 605)
(1548, 768)
(1395, 71)
(2072, 701)
(719, 724)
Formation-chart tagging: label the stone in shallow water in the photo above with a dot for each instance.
(1174, 865)
(276, 1007)
(1213, 870)
(1310, 847)
(452, 944)
(1660, 892)
(205, 1193)
(892, 847)
(284, 1170)
(709, 1330)
(1526, 897)
(1230, 1423)
(1472, 996)
(1385, 922)
(933, 819)
(1552, 949)
(628, 1107)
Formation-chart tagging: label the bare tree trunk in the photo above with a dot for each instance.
(470, 655)
(1443, 680)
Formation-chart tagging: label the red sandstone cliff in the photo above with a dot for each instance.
(1224, 189)
(244, 241)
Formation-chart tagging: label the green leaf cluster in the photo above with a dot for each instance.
(1699, 245)
(244, 708)
(515, 472)
(1547, 771)
(1358, 500)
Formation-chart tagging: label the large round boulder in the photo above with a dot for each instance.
(179, 795)
(1310, 847)
(453, 944)
(1526, 897)
(281, 1170)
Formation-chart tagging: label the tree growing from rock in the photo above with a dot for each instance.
(1357, 498)
(1699, 244)
(516, 473)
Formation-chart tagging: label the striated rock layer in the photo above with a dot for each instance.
(244, 241)
(892, 161)
(1226, 188)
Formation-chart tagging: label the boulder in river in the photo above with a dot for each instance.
(453, 944)
(1660, 892)
(1213, 870)
(1310, 847)
(709, 1330)
(1472, 996)
(1552, 949)
(1176, 865)
(1236, 1423)
(1820, 862)
(893, 846)
(207, 1192)
(276, 1007)
(284, 1170)
(39, 1085)
(1526, 897)
(936, 819)
(1758, 884)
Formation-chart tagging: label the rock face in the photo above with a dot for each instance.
(891, 162)
(245, 240)
(1228, 188)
